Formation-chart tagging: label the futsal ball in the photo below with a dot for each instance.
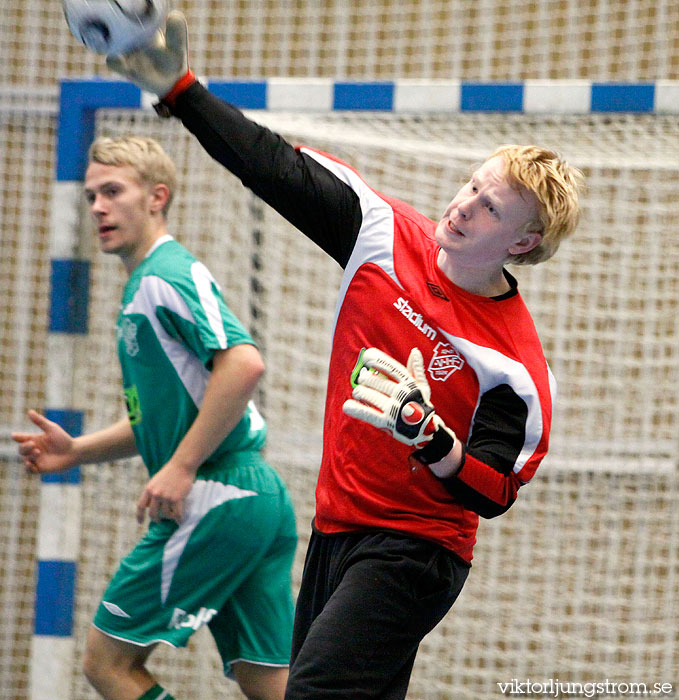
(114, 26)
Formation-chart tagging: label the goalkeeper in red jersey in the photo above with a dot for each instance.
(439, 395)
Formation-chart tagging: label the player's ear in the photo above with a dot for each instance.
(528, 241)
(160, 195)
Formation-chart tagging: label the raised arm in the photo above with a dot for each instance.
(304, 192)
(307, 194)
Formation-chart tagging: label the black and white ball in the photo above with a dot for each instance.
(114, 26)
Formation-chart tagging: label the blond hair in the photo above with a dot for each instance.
(144, 155)
(556, 185)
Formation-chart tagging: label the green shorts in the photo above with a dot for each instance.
(228, 565)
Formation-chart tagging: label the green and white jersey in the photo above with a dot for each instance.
(172, 320)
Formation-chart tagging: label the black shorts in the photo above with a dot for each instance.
(365, 603)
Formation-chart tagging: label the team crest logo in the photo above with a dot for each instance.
(445, 361)
(127, 332)
(133, 404)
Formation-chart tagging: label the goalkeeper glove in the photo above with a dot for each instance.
(162, 66)
(397, 399)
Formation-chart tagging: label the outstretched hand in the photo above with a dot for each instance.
(46, 452)
(157, 66)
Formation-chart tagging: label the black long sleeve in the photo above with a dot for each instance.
(296, 185)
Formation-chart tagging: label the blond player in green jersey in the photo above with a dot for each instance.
(222, 533)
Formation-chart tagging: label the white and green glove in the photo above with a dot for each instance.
(397, 399)
(161, 64)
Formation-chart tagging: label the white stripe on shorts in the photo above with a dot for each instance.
(203, 497)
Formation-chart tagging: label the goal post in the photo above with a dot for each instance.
(58, 545)
(575, 554)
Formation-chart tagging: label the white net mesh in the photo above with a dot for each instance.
(579, 580)
(629, 40)
(26, 150)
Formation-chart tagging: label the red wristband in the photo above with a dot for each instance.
(180, 86)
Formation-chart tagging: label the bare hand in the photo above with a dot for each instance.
(165, 493)
(46, 452)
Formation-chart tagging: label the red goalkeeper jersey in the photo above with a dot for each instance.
(487, 372)
(488, 376)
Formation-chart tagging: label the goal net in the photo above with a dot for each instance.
(489, 40)
(580, 579)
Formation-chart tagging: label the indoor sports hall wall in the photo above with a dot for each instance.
(580, 579)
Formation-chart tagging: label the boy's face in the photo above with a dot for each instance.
(485, 222)
(121, 207)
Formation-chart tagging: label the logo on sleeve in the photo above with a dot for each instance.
(133, 404)
(127, 332)
(445, 361)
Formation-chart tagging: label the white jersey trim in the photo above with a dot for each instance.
(492, 369)
(163, 239)
(377, 226)
(203, 497)
(154, 291)
(132, 641)
(204, 280)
